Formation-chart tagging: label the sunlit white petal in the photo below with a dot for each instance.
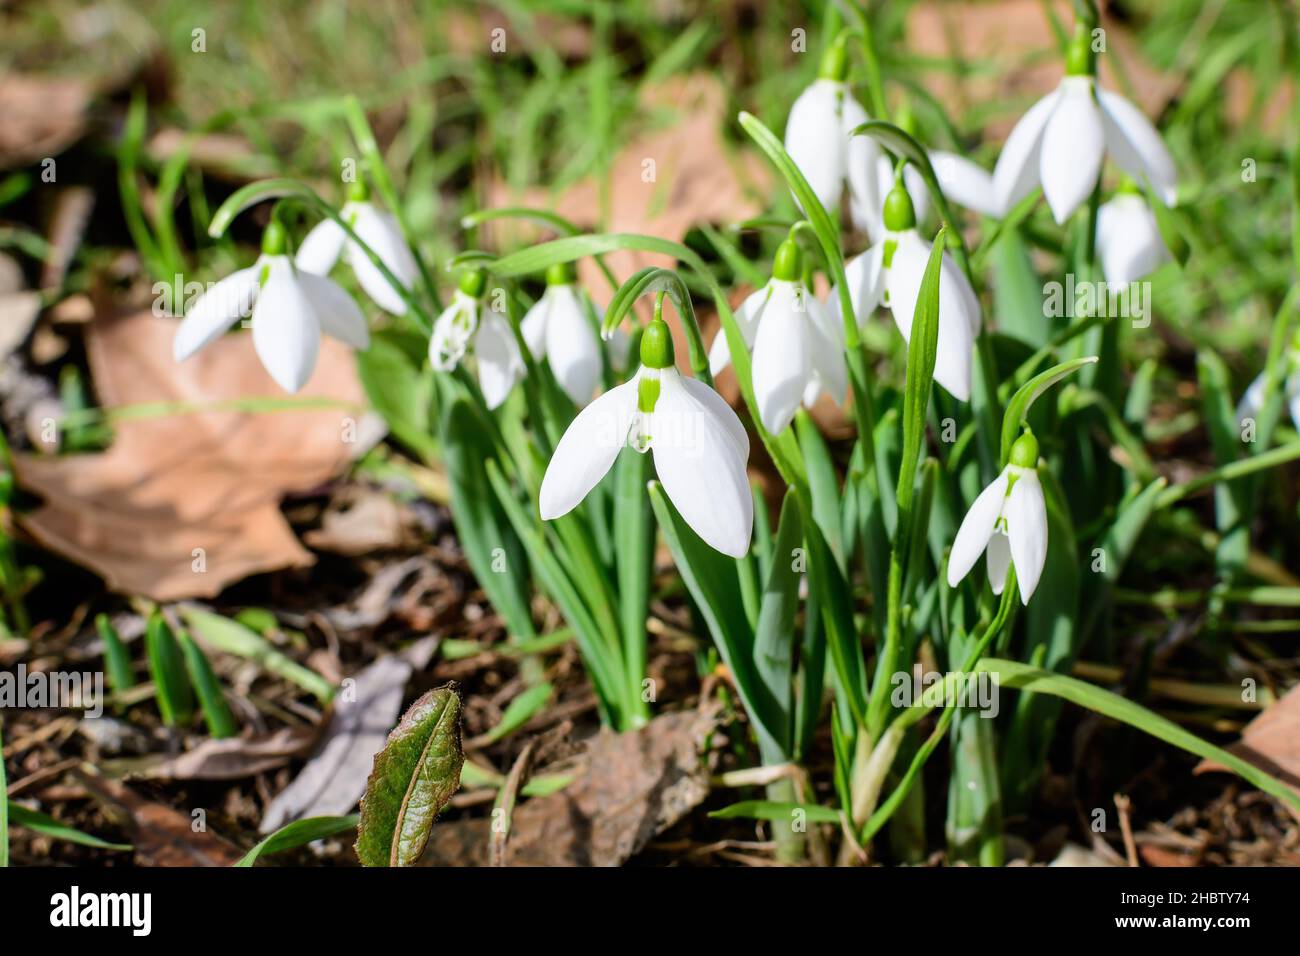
(965, 183)
(1016, 172)
(814, 138)
(976, 529)
(1136, 146)
(701, 468)
(321, 247)
(500, 364)
(215, 311)
(381, 232)
(286, 333)
(336, 311)
(957, 322)
(1074, 144)
(782, 358)
(1026, 515)
(587, 449)
(572, 347)
(997, 559)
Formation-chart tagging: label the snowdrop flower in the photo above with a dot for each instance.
(557, 328)
(817, 137)
(1128, 238)
(1252, 403)
(379, 230)
(700, 448)
(289, 308)
(1008, 523)
(891, 272)
(1062, 140)
(797, 345)
(465, 326)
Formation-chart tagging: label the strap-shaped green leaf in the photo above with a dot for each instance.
(233, 637)
(770, 810)
(774, 635)
(212, 701)
(711, 579)
(1028, 393)
(296, 834)
(167, 668)
(1035, 680)
(46, 825)
(414, 776)
(485, 535)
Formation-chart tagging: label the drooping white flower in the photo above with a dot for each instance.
(1061, 141)
(700, 448)
(1008, 524)
(323, 245)
(817, 137)
(1129, 243)
(1252, 402)
(798, 347)
(290, 309)
(890, 272)
(465, 327)
(557, 328)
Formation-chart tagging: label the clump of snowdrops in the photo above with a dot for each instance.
(950, 529)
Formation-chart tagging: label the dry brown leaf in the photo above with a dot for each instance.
(232, 758)
(171, 485)
(160, 835)
(39, 116)
(371, 522)
(334, 779)
(698, 178)
(1270, 742)
(1014, 33)
(628, 788)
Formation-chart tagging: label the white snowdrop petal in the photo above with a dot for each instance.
(865, 275)
(1026, 514)
(1136, 146)
(497, 353)
(815, 141)
(966, 183)
(747, 316)
(1252, 401)
(724, 413)
(286, 333)
(862, 154)
(451, 333)
(782, 359)
(533, 326)
(381, 232)
(1293, 397)
(336, 311)
(952, 367)
(998, 558)
(700, 467)
(321, 247)
(1128, 240)
(587, 449)
(1074, 144)
(976, 529)
(572, 347)
(1016, 172)
(830, 370)
(215, 311)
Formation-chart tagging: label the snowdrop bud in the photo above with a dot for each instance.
(561, 273)
(900, 214)
(835, 62)
(275, 241)
(1079, 58)
(1024, 453)
(358, 191)
(473, 283)
(788, 264)
(657, 345)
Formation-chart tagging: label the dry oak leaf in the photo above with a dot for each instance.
(177, 493)
(628, 788)
(1270, 741)
(39, 116)
(697, 177)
